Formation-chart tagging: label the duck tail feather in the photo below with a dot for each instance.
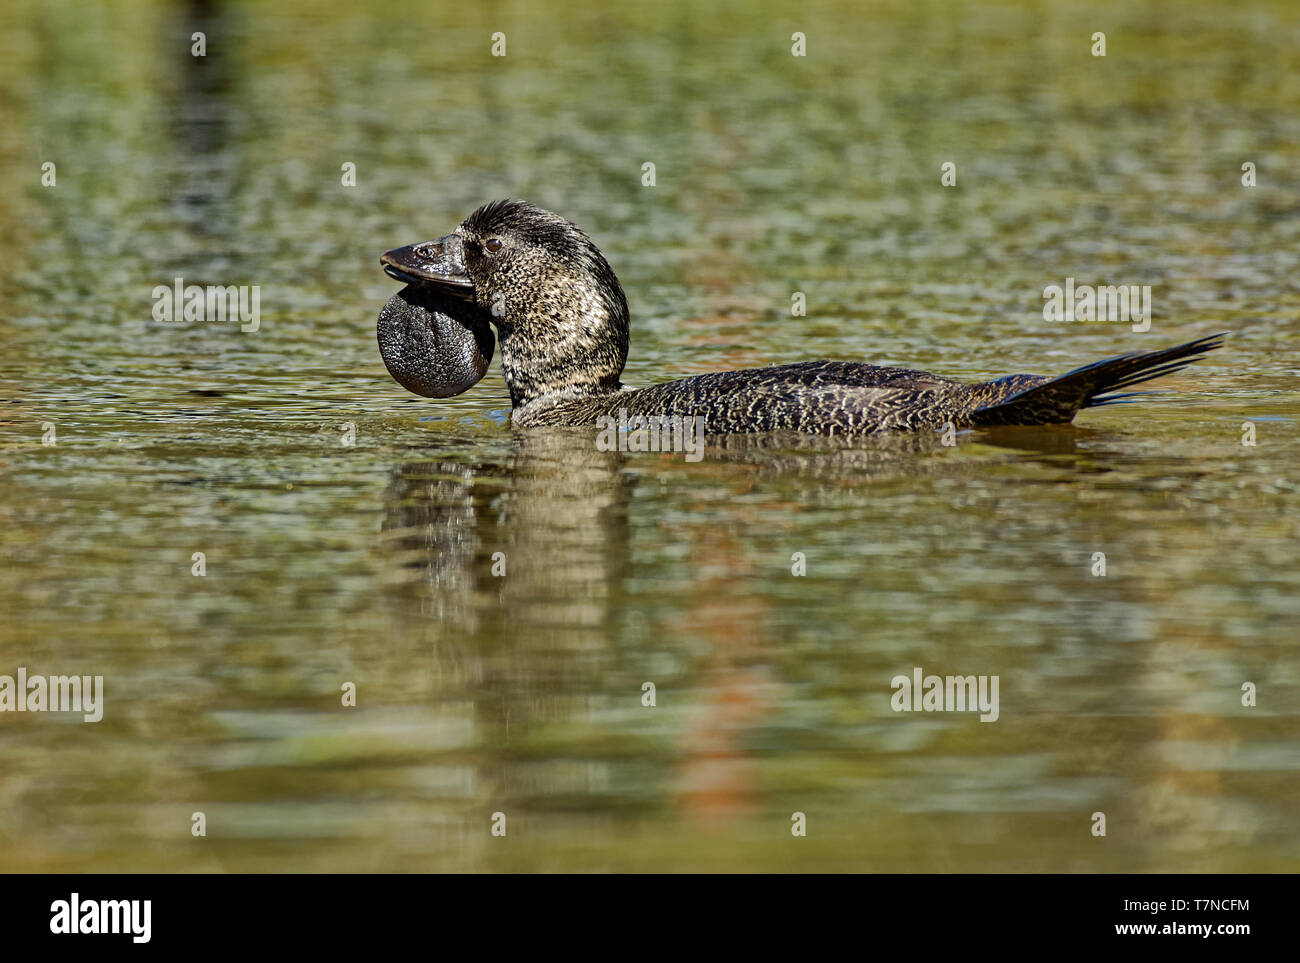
(1059, 400)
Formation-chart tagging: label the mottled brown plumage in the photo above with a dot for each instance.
(562, 319)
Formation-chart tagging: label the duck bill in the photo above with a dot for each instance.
(436, 264)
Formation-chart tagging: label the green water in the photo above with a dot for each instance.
(372, 563)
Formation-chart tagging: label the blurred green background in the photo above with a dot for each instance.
(522, 694)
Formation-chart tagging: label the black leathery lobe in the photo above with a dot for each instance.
(434, 344)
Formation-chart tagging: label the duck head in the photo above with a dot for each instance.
(559, 310)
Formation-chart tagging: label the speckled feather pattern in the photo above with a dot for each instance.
(562, 319)
(814, 397)
(560, 312)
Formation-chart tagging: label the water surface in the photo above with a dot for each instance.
(373, 563)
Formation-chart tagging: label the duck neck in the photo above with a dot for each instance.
(538, 364)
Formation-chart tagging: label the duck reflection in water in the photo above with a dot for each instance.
(531, 579)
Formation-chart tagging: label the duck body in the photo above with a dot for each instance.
(562, 323)
(811, 397)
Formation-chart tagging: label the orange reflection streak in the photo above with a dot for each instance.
(718, 776)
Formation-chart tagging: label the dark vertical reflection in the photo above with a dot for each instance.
(530, 644)
(198, 111)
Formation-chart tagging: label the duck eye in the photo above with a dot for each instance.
(493, 244)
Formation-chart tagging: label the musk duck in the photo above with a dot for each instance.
(562, 321)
